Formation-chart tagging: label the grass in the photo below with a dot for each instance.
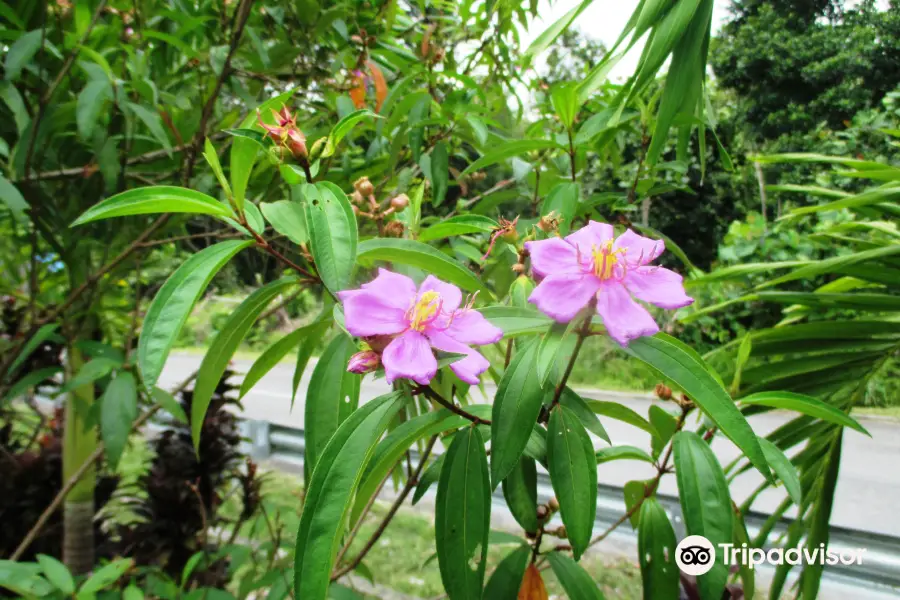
(890, 412)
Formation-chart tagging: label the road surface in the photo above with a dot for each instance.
(868, 485)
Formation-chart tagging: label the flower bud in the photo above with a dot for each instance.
(478, 176)
(561, 532)
(663, 392)
(542, 512)
(518, 269)
(549, 223)
(318, 146)
(363, 362)
(553, 504)
(364, 186)
(394, 229)
(399, 203)
(357, 198)
(510, 235)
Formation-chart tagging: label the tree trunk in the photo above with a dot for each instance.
(79, 442)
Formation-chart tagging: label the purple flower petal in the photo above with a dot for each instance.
(592, 234)
(553, 255)
(451, 296)
(409, 356)
(367, 313)
(624, 318)
(658, 286)
(469, 368)
(398, 290)
(470, 327)
(639, 250)
(562, 296)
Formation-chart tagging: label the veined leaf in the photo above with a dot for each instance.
(516, 321)
(784, 469)
(573, 473)
(224, 345)
(508, 150)
(422, 256)
(683, 366)
(574, 579)
(333, 234)
(212, 159)
(309, 345)
(342, 128)
(117, 412)
(155, 199)
(520, 492)
(331, 490)
(571, 400)
(622, 453)
(90, 102)
(458, 225)
(806, 405)
(57, 574)
(656, 552)
(273, 355)
(287, 218)
(440, 174)
(620, 412)
(507, 578)
(21, 52)
(543, 41)
(173, 304)
(29, 381)
(463, 516)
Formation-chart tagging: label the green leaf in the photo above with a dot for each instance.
(332, 396)
(273, 355)
(515, 411)
(620, 412)
(244, 151)
(13, 199)
(458, 225)
(90, 102)
(57, 574)
(574, 579)
(686, 369)
(622, 453)
(212, 158)
(665, 426)
(506, 579)
(118, 411)
(806, 405)
(656, 552)
(309, 345)
(40, 336)
(463, 516)
(597, 77)
(224, 345)
(169, 404)
(154, 123)
(173, 304)
(440, 173)
(784, 469)
(330, 492)
(520, 492)
(333, 235)
(543, 41)
(287, 218)
(430, 476)
(90, 372)
(516, 321)
(573, 473)
(478, 128)
(24, 579)
(571, 400)
(392, 448)
(705, 504)
(105, 577)
(422, 256)
(564, 98)
(342, 128)
(29, 381)
(563, 199)
(155, 199)
(21, 52)
(747, 574)
(508, 150)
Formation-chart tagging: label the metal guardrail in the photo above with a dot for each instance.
(879, 571)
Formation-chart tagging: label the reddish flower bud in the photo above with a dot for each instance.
(364, 362)
(663, 392)
(394, 229)
(364, 186)
(400, 202)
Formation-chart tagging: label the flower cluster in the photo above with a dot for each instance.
(590, 269)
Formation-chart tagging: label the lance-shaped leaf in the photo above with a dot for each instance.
(422, 256)
(273, 355)
(508, 150)
(463, 516)
(806, 405)
(333, 395)
(782, 466)
(573, 473)
(440, 174)
(516, 408)
(118, 410)
(173, 304)
(155, 199)
(40, 336)
(224, 346)
(516, 321)
(520, 492)
(574, 579)
(505, 582)
(287, 218)
(656, 551)
(330, 492)
(705, 503)
(458, 225)
(679, 363)
(332, 233)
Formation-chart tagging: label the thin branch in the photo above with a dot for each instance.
(583, 333)
(410, 483)
(450, 405)
(362, 517)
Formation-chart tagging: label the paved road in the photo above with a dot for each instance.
(868, 486)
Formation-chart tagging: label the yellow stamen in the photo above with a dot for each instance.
(605, 260)
(424, 310)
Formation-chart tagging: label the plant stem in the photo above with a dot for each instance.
(450, 405)
(583, 333)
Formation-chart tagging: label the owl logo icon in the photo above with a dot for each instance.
(695, 555)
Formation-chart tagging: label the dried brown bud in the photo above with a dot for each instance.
(478, 176)
(394, 229)
(549, 223)
(399, 203)
(518, 268)
(663, 392)
(357, 198)
(542, 512)
(553, 504)
(364, 186)
(561, 532)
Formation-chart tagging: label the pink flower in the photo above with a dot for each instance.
(362, 362)
(592, 264)
(285, 132)
(415, 321)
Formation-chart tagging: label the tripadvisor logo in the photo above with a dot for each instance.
(696, 555)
